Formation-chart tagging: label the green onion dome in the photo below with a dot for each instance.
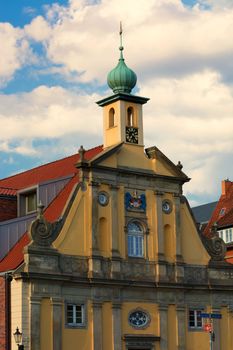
(121, 78)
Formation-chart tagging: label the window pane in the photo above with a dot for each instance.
(135, 239)
(31, 202)
(195, 320)
(78, 314)
(75, 314)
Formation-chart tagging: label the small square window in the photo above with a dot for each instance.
(195, 320)
(222, 211)
(75, 315)
(27, 202)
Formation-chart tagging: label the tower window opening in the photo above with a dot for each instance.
(111, 117)
(130, 117)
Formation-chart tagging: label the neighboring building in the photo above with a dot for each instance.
(221, 220)
(114, 260)
(202, 214)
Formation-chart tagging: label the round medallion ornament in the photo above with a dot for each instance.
(167, 206)
(103, 198)
(139, 319)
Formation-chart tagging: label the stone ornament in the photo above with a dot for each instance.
(167, 206)
(103, 198)
(42, 232)
(215, 247)
(139, 319)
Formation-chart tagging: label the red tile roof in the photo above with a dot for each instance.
(9, 192)
(53, 170)
(227, 219)
(222, 209)
(50, 171)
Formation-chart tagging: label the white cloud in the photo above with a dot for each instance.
(170, 38)
(190, 119)
(219, 4)
(38, 29)
(46, 113)
(15, 51)
(184, 61)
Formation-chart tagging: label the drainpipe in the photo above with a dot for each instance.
(8, 278)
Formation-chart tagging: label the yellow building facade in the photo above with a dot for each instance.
(125, 268)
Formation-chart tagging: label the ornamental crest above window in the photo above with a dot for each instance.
(135, 202)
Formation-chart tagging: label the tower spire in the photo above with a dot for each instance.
(121, 79)
(121, 48)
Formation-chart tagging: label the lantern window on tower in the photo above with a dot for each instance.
(130, 117)
(111, 123)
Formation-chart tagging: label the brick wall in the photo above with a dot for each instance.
(8, 208)
(2, 314)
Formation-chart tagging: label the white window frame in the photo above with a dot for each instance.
(196, 320)
(74, 322)
(22, 198)
(135, 240)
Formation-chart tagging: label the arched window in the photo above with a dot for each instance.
(135, 239)
(111, 117)
(130, 117)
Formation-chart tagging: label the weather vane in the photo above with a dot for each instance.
(121, 47)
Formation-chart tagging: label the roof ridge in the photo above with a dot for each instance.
(43, 165)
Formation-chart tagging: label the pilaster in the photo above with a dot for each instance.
(56, 304)
(97, 326)
(160, 235)
(179, 257)
(163, 318)
(114, 216)
(116, 324)
(94, 218)
(35, 311)
(181, 323)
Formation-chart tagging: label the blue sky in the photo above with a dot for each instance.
(54, 63)
(21, 12)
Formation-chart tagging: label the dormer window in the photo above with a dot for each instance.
(222, 211)
(27, 202)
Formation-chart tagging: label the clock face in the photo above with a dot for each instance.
(139, 319)
(131, 134)
(167, 206)
(103, 198)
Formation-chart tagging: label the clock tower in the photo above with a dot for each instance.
(122, 111)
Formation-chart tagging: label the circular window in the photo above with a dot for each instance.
(103, 198)
(167, 206)
(139, 319)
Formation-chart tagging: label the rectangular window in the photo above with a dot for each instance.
(75, 315)
(195, 320)
(227, 237)
(135, 245)
(27, 203)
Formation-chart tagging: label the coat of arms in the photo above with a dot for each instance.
(135, 201)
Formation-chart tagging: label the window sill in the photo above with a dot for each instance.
(136, 258)
(75, 326)
(195, 329)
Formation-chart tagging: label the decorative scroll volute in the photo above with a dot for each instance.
(42, 232)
